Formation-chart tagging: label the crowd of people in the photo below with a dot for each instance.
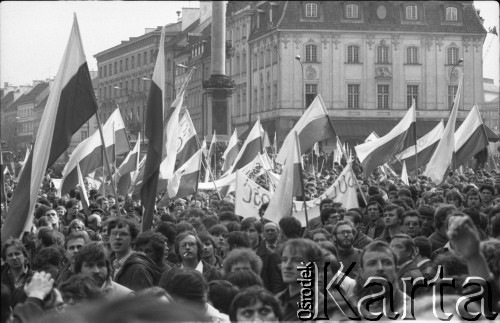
(202, 262)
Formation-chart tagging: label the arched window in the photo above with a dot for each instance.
(412, 55)
(311, 53)
(382, 54)
(311, 10)
(353, 54)
(351, 11)
(411, 12)
(452, 55)
(451, 14)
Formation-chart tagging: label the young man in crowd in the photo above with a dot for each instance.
(392, 219)
(376, 224)
(343, 234)
(73, 243)
(405, 250)
(411, 223)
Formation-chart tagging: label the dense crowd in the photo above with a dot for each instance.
(202, 262)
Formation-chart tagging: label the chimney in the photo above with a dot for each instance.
(205, 11)
(189, 15)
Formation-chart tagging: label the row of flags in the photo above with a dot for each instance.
(175, 156)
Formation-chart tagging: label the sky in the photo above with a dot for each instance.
(33, 34)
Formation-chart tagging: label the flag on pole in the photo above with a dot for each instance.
(123, 176)
(313, 126)
(425, 148)
(231, 152)
(470, 138)
(316, 149)
(187, 143)
(288, 186)
(251, 148)
(154, 133)
(267, 142)
(70, 104)
(83, 192)
(442, 156)
(88, 153)
(186, 178)
(379, 151)
(211, 150)
(337, 151)
(162, 131)
(404, 174)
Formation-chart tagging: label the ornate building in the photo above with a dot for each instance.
(367, 59)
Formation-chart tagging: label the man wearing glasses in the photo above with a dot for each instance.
(344, 233)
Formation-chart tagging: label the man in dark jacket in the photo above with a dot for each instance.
(270, 273)
(132, 270)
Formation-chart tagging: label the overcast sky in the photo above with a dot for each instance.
(33, 34)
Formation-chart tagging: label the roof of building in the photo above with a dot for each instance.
(290, 15)
(33, 94)
(7, 100)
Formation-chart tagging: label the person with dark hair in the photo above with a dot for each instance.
(73, 243)
(426, 212)
(182, 227)
(237, 239)
(378, 259)
(47, 237)
(243, 279)
(53, 218)
(360, 239)
(219, 231)
(188, 287)
(49, 259)
(329, 215)
(233, 226)
(152, 245)
(319, 235)
(220, 294)
(495, 226)
(473, 199)
(375, 226)
(270, 274)
(209, 246)
(343, 234)
(6, 308)
(169, 231)
(411, 223)
(454, 197)
(393, 214)
(290, 228)
(255, 304)
(487, 192)
(80, 288)
(228, 216)
(242, 259)
(73, 206)
(93, 260)
(423, 257)
(439, 238)
(16, 271)
(405, 250)
(131, 269)
(188, 249)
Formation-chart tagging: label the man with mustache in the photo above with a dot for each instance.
(343, 234)
(378, 260)
(93, 260)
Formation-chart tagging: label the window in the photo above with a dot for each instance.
(255, 62)
(151, 56)
(351, 11)
(311, 91)
(256, 98)
(261, 59)
(452, 91)
(383, 96)
(268, 90)
(262, 103)
(145, 61)
(411, 93)
(110, 69)
(237, 103)
(452, 54)
(105, 71)
(411, 12)
(311, 53)
(311, 10)
(244, 63)
(353, 54)
(121, 65)
(412, 55)
(132, 84)
(244, 100)
(275, 95)
(353, 96)
(116, 68)
(237, 65)
(138, 60)
(451, 14)
(382, 54)
(268, 56)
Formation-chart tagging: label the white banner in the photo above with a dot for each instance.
(249, 196)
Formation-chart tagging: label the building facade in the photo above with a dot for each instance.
(367, 59)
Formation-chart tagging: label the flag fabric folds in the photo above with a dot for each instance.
(313, 126)
(378, 151)
(470, 138)
(186, 178)
(154, 133)
(89, 154)
(425, 148)
(442, 156)
(123, 176)
(71, 102)
(231, 152)
(288, 186)
(211, 152)
(83, 191)
(251, 148)
(404, 174)
(24, 162)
